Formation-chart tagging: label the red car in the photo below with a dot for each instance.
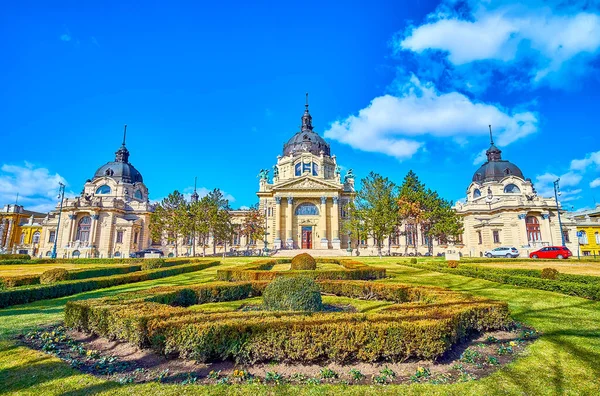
(551, 252)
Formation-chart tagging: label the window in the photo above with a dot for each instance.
(395, 239)
(119, 237)
(83, 229)
(511, 189)
(135, 237)
(533, 229)
(307, 209)
(411, 235)
(117, 254)
(104, 189)
(76, 253)
(566, 236)
(479, 237)
(496, 235)
(298, 169)
(586, 252)
(138, 194)
(36, 237)
(22, 238)
(48, 253)
(476, 193)
(597, 238)
(52, 236)
(315, 169)
(583, 239)
(306, 167)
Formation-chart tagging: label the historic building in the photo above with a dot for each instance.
(108, 219)
(306, 198)
(20, 230)
(502, 208)
(588, 230)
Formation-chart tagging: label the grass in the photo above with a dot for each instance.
(565, 266)
(38, 269)
(565, 360)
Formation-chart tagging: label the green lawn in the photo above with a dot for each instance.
(38, 269)
(565, 360)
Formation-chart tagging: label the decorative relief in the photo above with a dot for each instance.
(278, 200)
(323, 200)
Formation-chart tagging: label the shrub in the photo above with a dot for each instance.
(185, 298)
(15, 257)
(153, 263)
(293, 294)
(22, 280)
(303, 262)
(549, 273)
(452, 264)
(413, 260)
(54, 275)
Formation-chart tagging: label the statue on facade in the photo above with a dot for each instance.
(349, 176)
(275, 171)
(263, 174)
(338, 170)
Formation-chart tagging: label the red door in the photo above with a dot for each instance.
(306, 237)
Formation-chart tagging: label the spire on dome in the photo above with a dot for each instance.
(493, 153)
(195, 195)
(122, 154)
(306, 118)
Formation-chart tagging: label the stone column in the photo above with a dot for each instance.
(323, 223)
(94, 230)
(7, 241)
(547, 230)
(71, 228)
(335, 224)
(2, 227)
(288, 223)
(277, 242)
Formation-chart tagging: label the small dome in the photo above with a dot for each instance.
(119, 171)
(306, 140)
(495, 169)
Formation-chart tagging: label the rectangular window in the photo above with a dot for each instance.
(479, 237)
(135, 237)
(566, 236)
(583, 239)
(119, 236)
(586, 253)
(52, 236)
(496, 236)
(597, 238)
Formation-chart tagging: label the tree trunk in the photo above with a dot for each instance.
(193, 244)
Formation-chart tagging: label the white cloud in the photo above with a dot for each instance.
(545, 185)
(480, 158)
(37, 187)
(554, 44)
(392, 124)
(584, 163)
(595, 183)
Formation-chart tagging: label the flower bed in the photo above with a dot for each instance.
(261, 271)
(425, 323)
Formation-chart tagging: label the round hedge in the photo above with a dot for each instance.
(153, 263)
(304, 262)
(296, 293)
(549, 273)
(54, 275)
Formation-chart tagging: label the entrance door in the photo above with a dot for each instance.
(306, 237)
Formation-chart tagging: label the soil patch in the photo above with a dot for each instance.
(125, 363)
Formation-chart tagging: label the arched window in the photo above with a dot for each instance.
(298, 169)
(512, 189)
(117, 254)
(307, 209)
(22, 238)
(83, 229)
(36, 237)
(48, 253)
(104, 189)
(76, 253)
(476, 193)
(533, 229)
(138, 194)
(315, 169)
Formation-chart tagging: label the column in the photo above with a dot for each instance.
(71, 228)
(335, 224)
(93, 231)
(323, 223)
(277, 242)
(288, 223)
(2, 227)
(7, 241)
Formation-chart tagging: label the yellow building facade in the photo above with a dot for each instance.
(588, 232)
(20, 230)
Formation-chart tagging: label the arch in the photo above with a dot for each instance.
(171, 255)
(117, 254)
(83, 229)
(48, 253)
(76, 253)
(307, 209)
(476, 193)
(512, 189)
(532, 225)
(138, 194)
(103, 189)
(36, 237)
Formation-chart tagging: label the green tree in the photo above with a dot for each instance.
(219, 222)
(376, 207)
(168, 219)
(253, 227)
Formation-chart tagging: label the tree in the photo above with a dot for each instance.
(219, 222)
(167, 219)
(376, 206)
(253, 227)
(200, 217)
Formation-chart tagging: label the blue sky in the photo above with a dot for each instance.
(214, 90)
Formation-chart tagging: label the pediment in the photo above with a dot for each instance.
(307, 183)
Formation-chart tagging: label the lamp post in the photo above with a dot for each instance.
(266, 250)
(556, 194)
(61, 195)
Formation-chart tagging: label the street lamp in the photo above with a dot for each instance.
(556, 194)
(61, 195)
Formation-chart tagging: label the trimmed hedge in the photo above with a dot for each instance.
(15, 257)
(153, 264)
(16, 281)
(574, 285)
(303, 261)
(54, 275)
(549, 273)
(61, 289)
(426, 325)
(293, 294)
(260, 271)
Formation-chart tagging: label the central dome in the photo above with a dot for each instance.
(306, 140)
(496, 169)
(120, 169)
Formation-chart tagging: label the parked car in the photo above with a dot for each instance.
(551, 252)
(503, 251)
(142, 253)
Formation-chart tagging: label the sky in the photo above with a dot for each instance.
(214, 89)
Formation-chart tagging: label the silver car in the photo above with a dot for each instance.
(503, 251)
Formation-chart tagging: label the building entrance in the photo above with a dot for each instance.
(307, 237)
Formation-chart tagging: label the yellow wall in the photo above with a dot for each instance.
(592, 247)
